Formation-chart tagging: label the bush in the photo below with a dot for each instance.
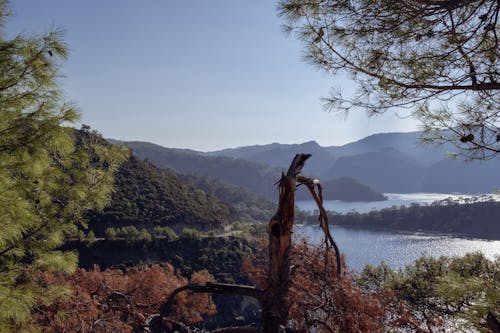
(165, 233)
(190, 233)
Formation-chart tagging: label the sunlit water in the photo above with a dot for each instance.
(394, 199)
(362, 247)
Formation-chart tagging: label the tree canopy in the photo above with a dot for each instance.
(439, 58)
(48, 175)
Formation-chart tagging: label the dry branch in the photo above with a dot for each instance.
(273, 300)
(323, 217)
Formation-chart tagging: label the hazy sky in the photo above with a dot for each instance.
(193, 74)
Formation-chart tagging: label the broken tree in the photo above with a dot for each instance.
(273, 297)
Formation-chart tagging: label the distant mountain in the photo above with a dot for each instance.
(386, 162)
(456, 176)
(345, 189)
(407, 143)
(387, 170)
(250, 175)
(145, 197)
(280, 155)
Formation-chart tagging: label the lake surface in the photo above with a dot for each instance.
(394, 199)
(362, 247)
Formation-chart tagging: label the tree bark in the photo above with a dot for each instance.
(274, 307)
(280, 229)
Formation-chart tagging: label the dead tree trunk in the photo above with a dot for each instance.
(273, 299)
(274, 308)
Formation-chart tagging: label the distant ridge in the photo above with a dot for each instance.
(385, 162)
(388, 162)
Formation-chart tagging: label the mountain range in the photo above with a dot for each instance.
(384, 163)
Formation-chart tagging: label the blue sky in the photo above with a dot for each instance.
(192, 74)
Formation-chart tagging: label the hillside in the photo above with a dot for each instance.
(250, 175)
(145, 197)
(454, 176)
(386, 162)
(344, 189)
(387, 170)
(407, 143)
(248, 206)
(247, 185)
(279, 155)
(471, 220)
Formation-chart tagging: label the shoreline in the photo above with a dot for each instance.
(417, 232)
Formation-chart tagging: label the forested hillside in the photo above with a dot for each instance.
(146, 197)
(231, 179)
(386, 162)
(249, 207)
(247, 174)
(478, 219)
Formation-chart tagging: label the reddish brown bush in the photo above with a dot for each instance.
(318, 297)
(117, 300)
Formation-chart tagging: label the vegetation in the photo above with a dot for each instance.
(461, 293)
(247, 205)
(473, 219)
(110, 300)
(439, 58)
(49, 177)
(147, 197)
(252, 176)
(53, 177)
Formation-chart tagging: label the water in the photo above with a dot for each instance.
(394, 199)
(362, 247)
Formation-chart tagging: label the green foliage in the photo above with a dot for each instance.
(250, 231)
(473, 219)
(166, 233)
(49, 177)
(190, 233)
(247, 206)
(147, 197)
(464, 288)
(130, 233)
(439, 58)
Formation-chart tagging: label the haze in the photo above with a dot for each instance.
(204, 75)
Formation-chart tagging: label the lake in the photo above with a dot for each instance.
(394, 199)
(362, 247)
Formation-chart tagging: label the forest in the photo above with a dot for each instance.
(453, 218)
(96, 239)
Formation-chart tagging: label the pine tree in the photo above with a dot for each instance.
(50, 175)
(437, 59)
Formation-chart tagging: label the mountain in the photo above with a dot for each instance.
(248, 206)
(407, 143)
(145, 197)
(229, 178)
(250, 175)
(280, 155)
(387, 170)
(458, 176)
(386, 162)
(344, 189)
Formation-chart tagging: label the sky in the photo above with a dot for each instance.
(204, 75)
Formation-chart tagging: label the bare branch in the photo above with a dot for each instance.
(323, 217)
